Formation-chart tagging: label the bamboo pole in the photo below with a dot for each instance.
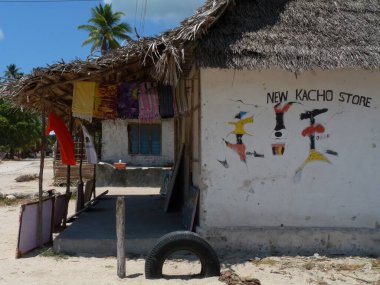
(120, 236)
(40, 179)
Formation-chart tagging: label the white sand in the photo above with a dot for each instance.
(9, 170)
(36, 269)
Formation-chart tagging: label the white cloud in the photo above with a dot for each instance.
(1, 34)
(172, 11)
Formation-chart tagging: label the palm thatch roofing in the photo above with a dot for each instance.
(294, 35)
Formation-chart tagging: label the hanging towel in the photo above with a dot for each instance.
(83, 100)
(64, 137)
(165, 96)
(148, 103)
(128, 101)
(90, 148)
(105, 102)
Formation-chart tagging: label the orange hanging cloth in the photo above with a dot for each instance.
(66, 142)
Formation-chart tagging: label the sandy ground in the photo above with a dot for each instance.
(38, 268)
(9, 170)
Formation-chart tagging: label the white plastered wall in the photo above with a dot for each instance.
(264, 191)
(115, 144)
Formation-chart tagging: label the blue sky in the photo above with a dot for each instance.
(36, 34)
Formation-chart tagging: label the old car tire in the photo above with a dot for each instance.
(181, 240)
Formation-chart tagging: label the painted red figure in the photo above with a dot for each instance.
(64, 137)
(311, 130)
(284, 109)
(238, 148)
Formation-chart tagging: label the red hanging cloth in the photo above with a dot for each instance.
(64, 137)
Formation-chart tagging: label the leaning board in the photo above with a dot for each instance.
(27, 236)
(190, 208)
(173, 179)
(60, 210)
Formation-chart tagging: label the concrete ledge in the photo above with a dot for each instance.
(295, 241)
(107, 175)
(103, 247)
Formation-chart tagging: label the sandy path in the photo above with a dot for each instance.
(9, 170)
(91, 270)
(37, 269)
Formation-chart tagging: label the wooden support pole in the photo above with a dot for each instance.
(81, 157)
(68, 180)
(80, 194)
(120, 236)
(97, 143)
(94, 184)
(40, 178)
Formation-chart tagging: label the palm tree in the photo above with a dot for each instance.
(105, 29)
(13, 72)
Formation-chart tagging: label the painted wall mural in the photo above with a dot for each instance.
(239, 132)
(280, 102)
(279, 134)
(310, 132)
(240, 120)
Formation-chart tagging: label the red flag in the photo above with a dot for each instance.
(64, 137)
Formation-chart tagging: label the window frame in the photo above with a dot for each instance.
(150, 126)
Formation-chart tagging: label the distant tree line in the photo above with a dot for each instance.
(19, 130)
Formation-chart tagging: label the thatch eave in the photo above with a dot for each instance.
(294, 35)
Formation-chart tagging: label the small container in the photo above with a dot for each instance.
(119, 165)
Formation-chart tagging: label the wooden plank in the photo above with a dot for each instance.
(173, 179)
(60, 210)
(88, 189)
(86, 206)
(60, 172)
(190, 208)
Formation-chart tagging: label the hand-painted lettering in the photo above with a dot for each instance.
(277, 97)
(314, 95)
(318, 95)
(355, 99)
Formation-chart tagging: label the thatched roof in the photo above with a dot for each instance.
(295, 35)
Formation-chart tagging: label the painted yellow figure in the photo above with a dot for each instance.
(313, 156)
(239, 126)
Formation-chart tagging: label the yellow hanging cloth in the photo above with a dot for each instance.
(83, 99)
